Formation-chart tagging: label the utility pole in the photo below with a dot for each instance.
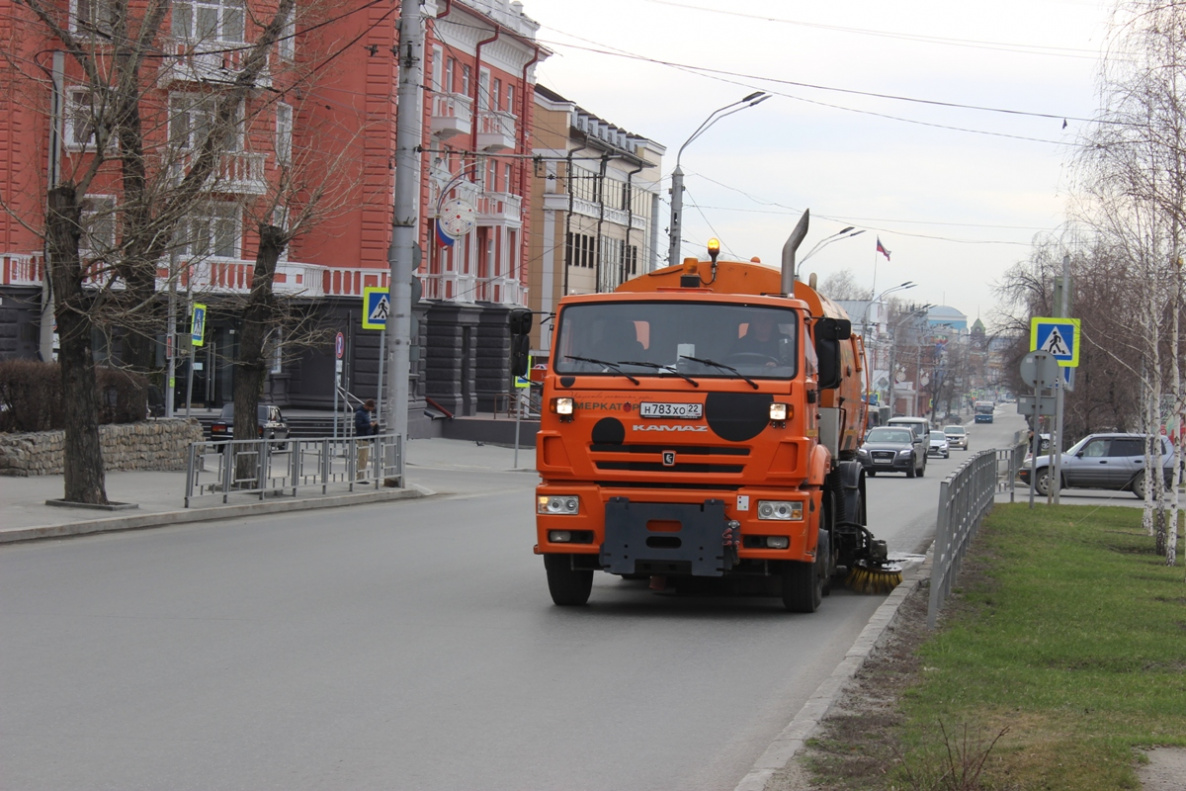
(45, 345)
(405, 220)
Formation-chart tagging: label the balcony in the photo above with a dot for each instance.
(496, 130)
(237, 172)
(452, 115)
(189, 64)
(499, 208)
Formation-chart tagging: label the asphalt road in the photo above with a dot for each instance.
(406, 645)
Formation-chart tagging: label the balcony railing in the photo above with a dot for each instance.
(220, 63)
(499, 208)
(238, 172)
(452, 114)
(496, 130)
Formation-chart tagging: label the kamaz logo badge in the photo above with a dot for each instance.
(659, 427)
(669, 458)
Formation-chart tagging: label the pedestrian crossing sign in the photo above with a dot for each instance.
(375, 306)
(1059, 337)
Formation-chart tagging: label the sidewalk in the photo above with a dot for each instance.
(153, 498)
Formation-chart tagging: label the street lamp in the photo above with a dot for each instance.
(677, 175)
(877, 300)
(914, 313)
(846, 233)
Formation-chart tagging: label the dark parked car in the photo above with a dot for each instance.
(892, 449)
(271, 424)
(957, 437)
(1104, 461)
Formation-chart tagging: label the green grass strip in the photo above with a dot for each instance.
(1065, 643)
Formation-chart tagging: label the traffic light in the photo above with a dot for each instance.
(520, 324)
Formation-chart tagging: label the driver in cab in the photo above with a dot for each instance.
(761, 338)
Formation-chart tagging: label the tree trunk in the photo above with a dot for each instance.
(85, 478)
(251, 365)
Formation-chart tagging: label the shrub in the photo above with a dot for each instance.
(31, 396)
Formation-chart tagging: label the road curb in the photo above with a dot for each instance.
(207, 514)
(794, 736)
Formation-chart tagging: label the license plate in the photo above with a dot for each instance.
(670, 409)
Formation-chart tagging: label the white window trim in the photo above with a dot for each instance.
(108, 204)
(78, 99)
(194, 109)
(201, 211)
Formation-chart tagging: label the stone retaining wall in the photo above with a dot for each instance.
(151, 445)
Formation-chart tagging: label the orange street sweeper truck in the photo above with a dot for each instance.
(702, 421)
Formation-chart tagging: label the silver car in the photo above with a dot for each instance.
(1104, 461)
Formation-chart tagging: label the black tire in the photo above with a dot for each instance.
(1138, 485)
(1042, 481)
(569, 587)
(803, 585)
(870, 473)
(910, 471)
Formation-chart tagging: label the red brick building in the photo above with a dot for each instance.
(320, 118)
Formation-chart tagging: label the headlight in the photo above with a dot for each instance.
(561, 504)
(780, 510)
(906, 452)
(562, 405)
(779, 412)
(862, 452)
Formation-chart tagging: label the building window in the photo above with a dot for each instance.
(450, 67)
(94, 16)
(209, 20)
(210, 230)
(83, 118)
(509, 173)
(283, 133)
(511, 98)
(98, 226)
(191, 117)
(287, 44)
(466, 76)
(484, 89)
(496, 95)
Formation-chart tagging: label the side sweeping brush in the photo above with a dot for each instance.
(870, 576)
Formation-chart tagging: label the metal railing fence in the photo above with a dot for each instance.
(260, 467)
(965, 497)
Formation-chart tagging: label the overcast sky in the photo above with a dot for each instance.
(955, 194)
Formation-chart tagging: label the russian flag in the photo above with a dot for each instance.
(881, 249)
(445, 239)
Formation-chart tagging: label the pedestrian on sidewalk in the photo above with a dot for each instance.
(365, 426)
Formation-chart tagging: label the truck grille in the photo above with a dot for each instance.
(689, 459)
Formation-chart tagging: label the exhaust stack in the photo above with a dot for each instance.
(789, 274)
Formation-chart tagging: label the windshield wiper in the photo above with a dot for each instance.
(722, 366)
(617, 368)
(664, 368)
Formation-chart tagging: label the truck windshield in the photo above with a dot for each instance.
(658, 338)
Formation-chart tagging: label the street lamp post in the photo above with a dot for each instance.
(846, 233)
(913, 314)
(677, 175)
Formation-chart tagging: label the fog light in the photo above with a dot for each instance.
(777, 542)
(562, 504)
(560, 536)
(779, 412)
(562, 405)
(780, 510)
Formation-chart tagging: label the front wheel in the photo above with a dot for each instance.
(803, 585)
(910, 471)
(569, 587)
(1138, 485)
(1042, 481)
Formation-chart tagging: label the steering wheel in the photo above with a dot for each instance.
(750, 358)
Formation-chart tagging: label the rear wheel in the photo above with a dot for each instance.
(569, 587)
(1138, 485)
